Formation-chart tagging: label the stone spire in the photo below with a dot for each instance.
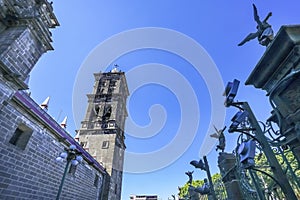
(45, 104)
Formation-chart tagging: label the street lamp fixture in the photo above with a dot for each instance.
(246, 152)
(230, 92)
(237, 119)
(73, 157)
(247, 149)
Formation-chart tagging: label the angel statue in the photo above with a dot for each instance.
(219, 134)
(264, 31)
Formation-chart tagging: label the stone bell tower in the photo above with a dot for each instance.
(102, 130)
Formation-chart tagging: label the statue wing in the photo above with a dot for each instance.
(216, 129)
(249, 37)
(256, 17)
(267, 17)
(224, 129)
(215, 135)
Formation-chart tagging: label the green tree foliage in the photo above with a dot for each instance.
(183, 192)
(289, 164)
(219, 186)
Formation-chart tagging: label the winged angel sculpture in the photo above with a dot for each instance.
(219, 134)
(264, 31)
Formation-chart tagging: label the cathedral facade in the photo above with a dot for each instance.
(31, 140)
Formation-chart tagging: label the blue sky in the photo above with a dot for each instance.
(217, 26)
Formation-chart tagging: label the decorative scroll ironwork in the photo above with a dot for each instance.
(258, 182)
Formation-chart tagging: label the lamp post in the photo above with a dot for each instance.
(212, 190)
(246, 113)
(204, 166)
(73, 157)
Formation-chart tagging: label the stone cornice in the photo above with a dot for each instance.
(36, 14)
(280, 56)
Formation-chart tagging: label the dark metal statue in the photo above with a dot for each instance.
(219, 134)
(205, 189)
(264, 31)
(190, 175)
